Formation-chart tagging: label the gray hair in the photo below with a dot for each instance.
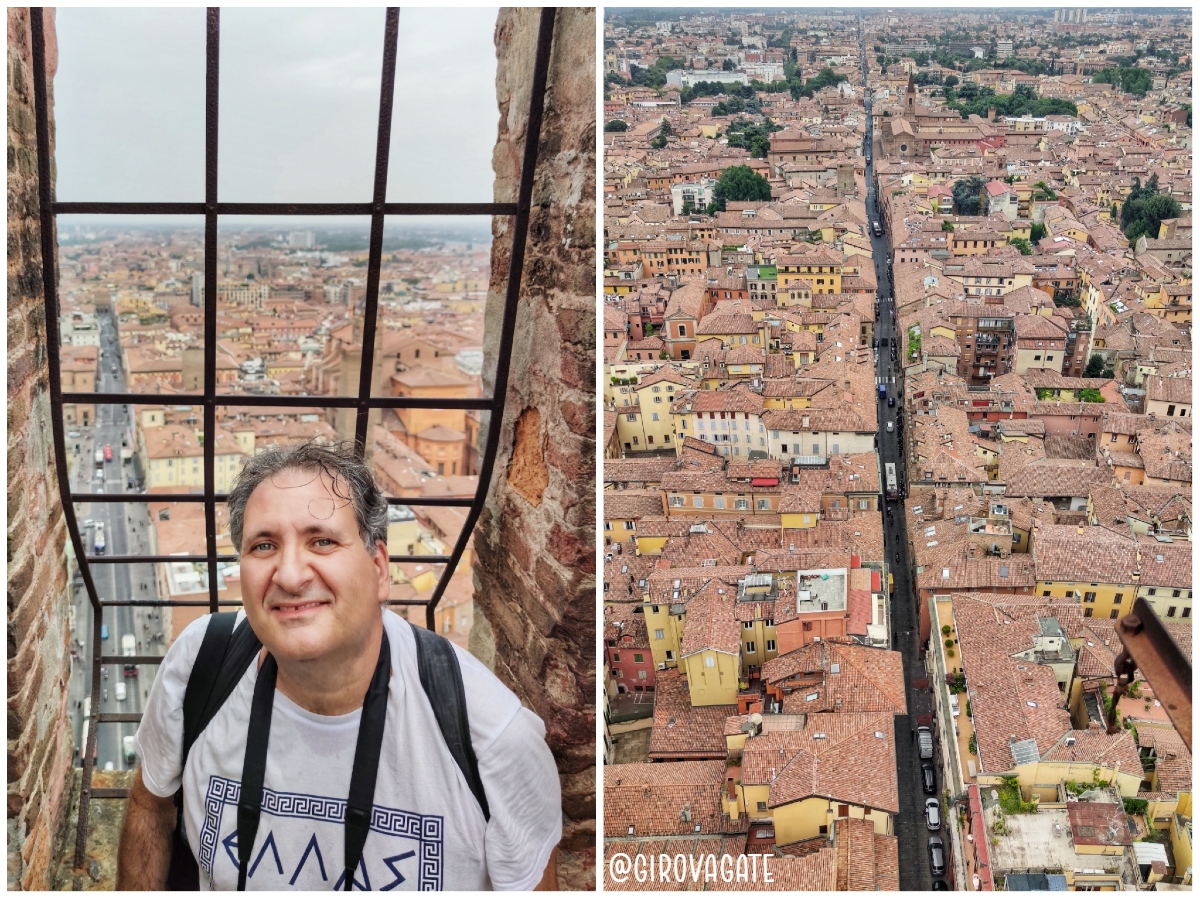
(351, 480)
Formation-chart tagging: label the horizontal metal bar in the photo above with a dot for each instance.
(222, 497)
(181, 603)
(228, 603)
(108, 793)
(88, 208)
(119, 717)
(115, 560)
(137, 497)
(140, 603)
(284, 402)
(131, 660)
(314, 209)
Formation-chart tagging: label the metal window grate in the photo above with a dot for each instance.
(212, 209)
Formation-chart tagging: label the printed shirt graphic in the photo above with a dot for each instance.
(427, 831)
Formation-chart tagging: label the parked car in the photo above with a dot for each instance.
(933, 814)
(937, 856)
(940, 885)
(924, 743)
(928, 779)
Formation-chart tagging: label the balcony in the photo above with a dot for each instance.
(131, 589)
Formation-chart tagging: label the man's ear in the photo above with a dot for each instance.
(384, 580)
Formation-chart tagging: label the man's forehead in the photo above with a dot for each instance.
(304, 493)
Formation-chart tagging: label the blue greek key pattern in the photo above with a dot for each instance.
(426, 829)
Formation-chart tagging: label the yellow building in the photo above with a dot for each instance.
(1067, 558)
(801, 773)
(172, 456)
(711, 646)
(664, 627)
(821, 268)
(654, 393)
(1181, 835)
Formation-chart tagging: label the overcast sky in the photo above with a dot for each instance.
(299, 101)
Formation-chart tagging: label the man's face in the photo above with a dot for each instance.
(310, 588)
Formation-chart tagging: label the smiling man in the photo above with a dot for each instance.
(311, 528)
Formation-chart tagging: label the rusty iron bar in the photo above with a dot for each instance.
(1150, 647)
(533, 136)
(383, 144)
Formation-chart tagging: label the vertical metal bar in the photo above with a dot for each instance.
(211, 85)
(533, 132)
(37, 34)
(387, 87)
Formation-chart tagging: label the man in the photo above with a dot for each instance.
(311, 529)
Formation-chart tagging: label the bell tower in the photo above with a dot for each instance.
(910, 97)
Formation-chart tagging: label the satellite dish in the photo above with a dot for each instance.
(756, 719)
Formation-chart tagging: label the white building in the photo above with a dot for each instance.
(680, 78)
(699, 192)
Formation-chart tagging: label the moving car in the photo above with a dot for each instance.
(937, 856)
(954, 705)
(129, 748)
(877, 229)
(890, 427)
(891, 401)
(108, 452)
(933, 814)
(104, 632)
(121, 691)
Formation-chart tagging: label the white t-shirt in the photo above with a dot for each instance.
(427, 830)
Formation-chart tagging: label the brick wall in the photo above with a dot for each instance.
(40, 741)
(535, 585)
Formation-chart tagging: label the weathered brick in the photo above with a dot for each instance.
(39, 750)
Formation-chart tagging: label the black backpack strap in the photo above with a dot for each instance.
(442, 681)
(222, 660)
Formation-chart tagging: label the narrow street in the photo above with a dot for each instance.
(911, 833)
(125, 530)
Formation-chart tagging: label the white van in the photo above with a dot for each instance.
(121, 691)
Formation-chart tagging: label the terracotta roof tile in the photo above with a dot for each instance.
(681, 731)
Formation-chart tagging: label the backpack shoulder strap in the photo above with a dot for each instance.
(442, 681)
(208, 686)
(220, 664)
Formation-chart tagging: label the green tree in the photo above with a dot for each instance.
(1132, 80)
(1095, 366)
(1021, 244)
(728, 65)
(739, 183)
(947, 225)
(1145, 208)
(967, 195)
(1037, 233)
(951, 80)
(616, 125)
